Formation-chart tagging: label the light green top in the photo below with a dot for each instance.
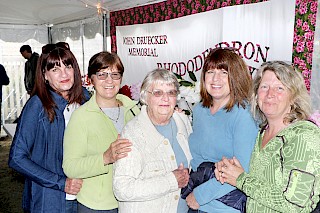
(88, 134)
(284, 175)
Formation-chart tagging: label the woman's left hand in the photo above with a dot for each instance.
(192, 202)
(73, 186)
(230, 172)
(117, 150)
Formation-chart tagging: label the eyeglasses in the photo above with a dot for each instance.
(46, 49)
(104, 75)
(160, 93)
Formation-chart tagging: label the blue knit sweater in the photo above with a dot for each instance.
(225, 134)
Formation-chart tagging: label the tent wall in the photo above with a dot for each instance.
(12, 37)
(84, 37)
(304, 28)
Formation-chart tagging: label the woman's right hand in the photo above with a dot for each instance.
(117, 150)
(73, 186)
(218, 169)
(182, 176)
(228, 170)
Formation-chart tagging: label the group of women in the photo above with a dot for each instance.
(116, 158)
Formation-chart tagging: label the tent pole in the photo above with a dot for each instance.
(82, 44)
(49, 35)
(106, 37)
(104, 25)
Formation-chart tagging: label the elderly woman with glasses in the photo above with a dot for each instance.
(92, 143)
(150, 178)
(37, 147)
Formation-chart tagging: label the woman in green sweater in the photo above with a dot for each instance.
(91, 141)
(284, 174)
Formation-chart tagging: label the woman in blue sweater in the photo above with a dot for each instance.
(222, 125)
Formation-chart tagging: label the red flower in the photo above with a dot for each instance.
(125, 90)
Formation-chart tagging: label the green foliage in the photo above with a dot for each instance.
(178, 76)
(192, 76)
(185, 83)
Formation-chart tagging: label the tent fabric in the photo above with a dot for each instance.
(22, 33)
(42, 12)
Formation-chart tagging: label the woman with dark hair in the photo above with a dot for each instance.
(92, 143)
(222, 125)
(37, 147)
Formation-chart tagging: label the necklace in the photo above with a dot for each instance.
(118, 116)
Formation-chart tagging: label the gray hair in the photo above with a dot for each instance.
(293, 81)
(157, 76)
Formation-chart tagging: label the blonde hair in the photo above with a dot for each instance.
(293, 81)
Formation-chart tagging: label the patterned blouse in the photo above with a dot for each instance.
(284, 174)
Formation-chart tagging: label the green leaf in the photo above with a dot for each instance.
(178, 76)
(186, 83)
(192, 76)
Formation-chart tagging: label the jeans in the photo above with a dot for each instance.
(84, 209)
(71, 206)
(195, 211)
(0, 113)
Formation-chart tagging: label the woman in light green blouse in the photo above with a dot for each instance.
(285, 164)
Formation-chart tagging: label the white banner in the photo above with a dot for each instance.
(259, 32)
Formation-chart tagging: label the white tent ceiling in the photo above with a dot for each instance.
(39, 12)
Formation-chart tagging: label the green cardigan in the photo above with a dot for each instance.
(88, 134)
(284, 175)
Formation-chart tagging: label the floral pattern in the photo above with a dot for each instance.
(305, 21)
(303, 32)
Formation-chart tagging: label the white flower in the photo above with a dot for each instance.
(197, 87)
(190, 94)
(135, 91)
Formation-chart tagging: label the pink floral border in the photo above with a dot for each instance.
(305, 21)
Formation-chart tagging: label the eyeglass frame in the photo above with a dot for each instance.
(163, 92)
(48, 48)
(106, 74)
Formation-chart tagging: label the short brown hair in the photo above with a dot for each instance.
(103, 60)
(239, 78)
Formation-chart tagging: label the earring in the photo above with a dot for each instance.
(46, 82)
